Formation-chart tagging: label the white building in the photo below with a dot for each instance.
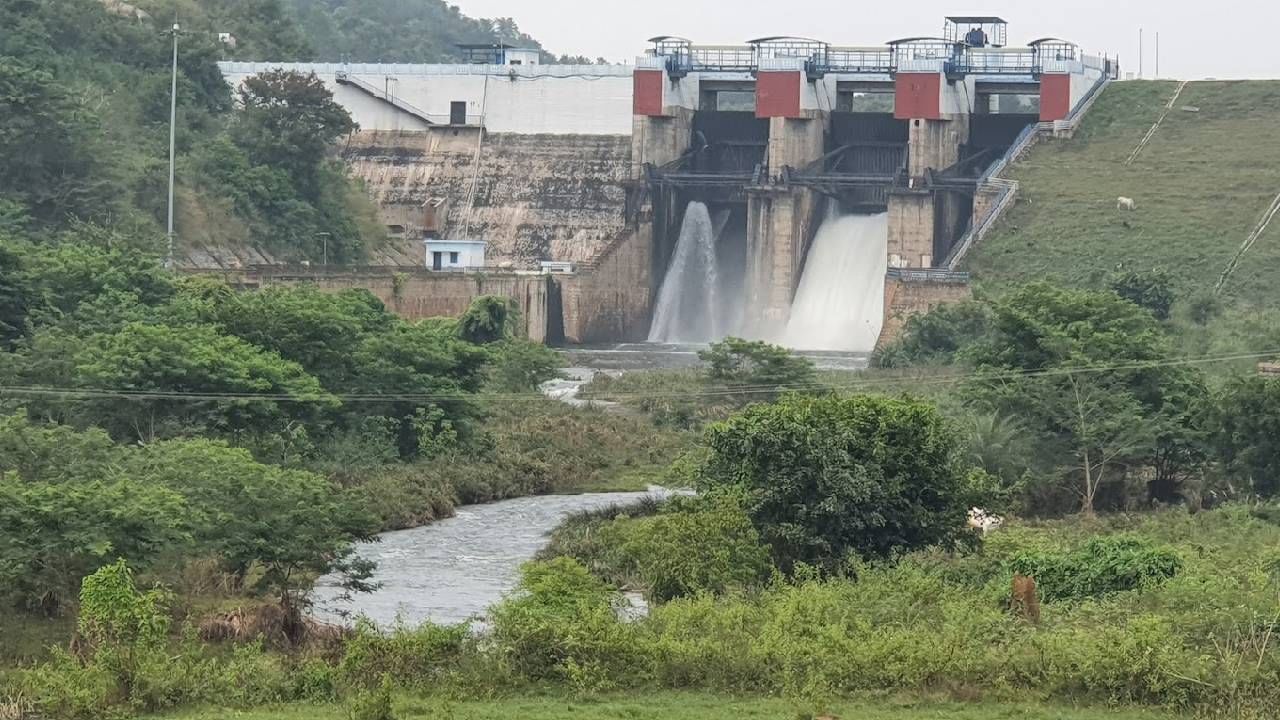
(443, 255)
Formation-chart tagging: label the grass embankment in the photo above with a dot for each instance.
(684, 706)
(1201, 186)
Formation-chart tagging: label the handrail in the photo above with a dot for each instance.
(371, 90)
(1008, 189)
(939, 275)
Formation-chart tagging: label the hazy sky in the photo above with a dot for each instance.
(1224, 39)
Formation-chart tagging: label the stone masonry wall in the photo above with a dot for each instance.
(902, 299)
(417, 294)
(532, 197)
(609, 300)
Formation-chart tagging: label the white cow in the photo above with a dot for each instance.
(1125, 203)
(984, 521)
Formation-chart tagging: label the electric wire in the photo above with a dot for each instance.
(90, 393)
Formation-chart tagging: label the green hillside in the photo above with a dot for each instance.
(1201, 186)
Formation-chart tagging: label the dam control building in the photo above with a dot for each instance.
(592, 168)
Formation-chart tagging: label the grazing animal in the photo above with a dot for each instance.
(1025, 599)
(1125, 203)
(986, 522)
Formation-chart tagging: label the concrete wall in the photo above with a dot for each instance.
(911, 229)
(902, 299)
(609, 299)
(543, 99)
(532, 197)
(416, 295)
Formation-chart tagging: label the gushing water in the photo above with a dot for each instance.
(840, 303)
(688, 309)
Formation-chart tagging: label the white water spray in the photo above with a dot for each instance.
(840, 303)
(687, 310)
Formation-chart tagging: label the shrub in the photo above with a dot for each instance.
(408, 656)
(562, 624)
(757, 368)
(522, 366)
(1103, 566)
(709, 548)
(1152, 290)
(373, 704)
(936, 336)
(823, 478)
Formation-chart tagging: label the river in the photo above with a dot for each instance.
(453, 570)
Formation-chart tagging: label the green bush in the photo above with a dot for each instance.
(562, 624)
(936, 337)
(373, 704)
(1103, 566)
(706, 548)
(518, 366)
(757, 369)
(825, 478)
(408, 656)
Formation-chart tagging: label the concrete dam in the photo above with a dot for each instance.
(786, 189)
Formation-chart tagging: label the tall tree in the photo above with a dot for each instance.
(288, 120)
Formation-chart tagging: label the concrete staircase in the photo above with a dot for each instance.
(1001, 192)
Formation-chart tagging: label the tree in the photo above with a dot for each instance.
(288, 121)
(489, 319)
(1244, 422)
(1088, 372)
(1152, 290)
(192, 377)
(822, 478)
(14, 300)
(315, 329)
(427, 379)
(49, 148)
(58, 532)
(758, 369)
(293, 525)
(936, 336)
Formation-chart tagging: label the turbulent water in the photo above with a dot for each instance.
(840, 303)
(700, 300)
(687, 303)
(453, 570)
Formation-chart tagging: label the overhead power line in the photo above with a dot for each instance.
(943, 378)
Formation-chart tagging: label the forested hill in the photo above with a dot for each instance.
(409, 31)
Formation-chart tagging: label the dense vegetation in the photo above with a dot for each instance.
(84, 97)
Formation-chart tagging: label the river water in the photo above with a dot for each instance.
(453, 570)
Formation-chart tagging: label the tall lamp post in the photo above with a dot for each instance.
(173, 135)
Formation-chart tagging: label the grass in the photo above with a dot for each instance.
(1201, 186)
(686, 706)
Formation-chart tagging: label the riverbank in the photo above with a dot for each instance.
(689, 706)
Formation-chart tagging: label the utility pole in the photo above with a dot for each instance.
(173, 136)
(1157, 54)
(1142, 54)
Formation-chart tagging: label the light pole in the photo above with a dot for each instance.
(173, 135)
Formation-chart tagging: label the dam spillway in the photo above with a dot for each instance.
(840, 303)
(583, 174)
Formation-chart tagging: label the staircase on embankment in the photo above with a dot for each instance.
(1204, 181)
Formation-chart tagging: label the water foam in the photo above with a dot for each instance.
(840, 303)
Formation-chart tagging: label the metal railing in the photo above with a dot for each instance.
(1007, 190)
(921, 55)
(859, 60)
(934, 275)
(999, 61)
